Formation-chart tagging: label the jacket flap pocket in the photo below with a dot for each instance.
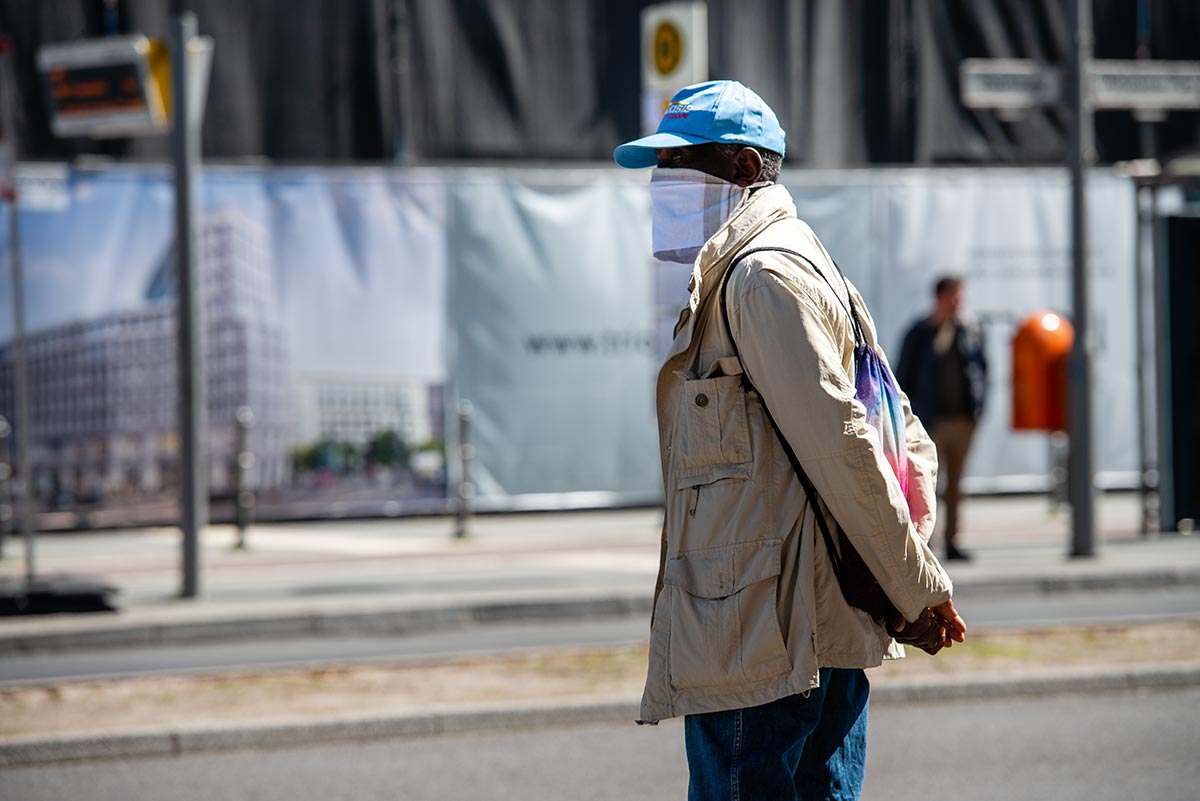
(721, 572)
(711, 426)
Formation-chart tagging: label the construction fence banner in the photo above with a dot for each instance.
(324, 313)
(551, 308)
(353, 309)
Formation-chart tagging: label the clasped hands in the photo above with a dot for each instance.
(937, 627)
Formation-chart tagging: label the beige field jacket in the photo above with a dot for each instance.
(747, 607)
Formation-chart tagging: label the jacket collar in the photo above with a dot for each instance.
(766, 206)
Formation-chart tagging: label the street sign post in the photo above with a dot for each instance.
(674, 54)
(1081, 485)
(1010, 86)
(185, 147)
(135, 86)
(22, 483)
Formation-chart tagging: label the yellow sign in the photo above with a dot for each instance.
(668, 48)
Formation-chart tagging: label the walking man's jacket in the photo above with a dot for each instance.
(917, 371)
(747, 607)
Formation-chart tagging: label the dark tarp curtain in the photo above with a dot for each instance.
(304, 80)
(854, 81)
(947, 31)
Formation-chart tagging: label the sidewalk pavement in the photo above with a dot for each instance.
(396, 576)
(399, 576)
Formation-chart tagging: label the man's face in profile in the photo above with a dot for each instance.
(950, 301)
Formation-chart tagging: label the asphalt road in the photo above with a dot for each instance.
(981, 612)
(1111, 748)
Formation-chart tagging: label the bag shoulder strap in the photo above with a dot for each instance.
(835, 556)
(848, 307)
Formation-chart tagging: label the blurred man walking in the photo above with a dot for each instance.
(943, 369)
(751, 636)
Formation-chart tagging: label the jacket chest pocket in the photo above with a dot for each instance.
(712, 435)
(724, 627)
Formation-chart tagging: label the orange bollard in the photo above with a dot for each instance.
(1039, 372)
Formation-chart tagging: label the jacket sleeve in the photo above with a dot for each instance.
(805, 385)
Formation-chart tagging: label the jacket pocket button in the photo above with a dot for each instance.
(701, 399)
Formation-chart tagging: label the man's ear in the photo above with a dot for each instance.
(747, 166)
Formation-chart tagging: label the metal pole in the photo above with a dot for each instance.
(1145, 117)
(1147, 149)
(1081, 485)
(1164, 453)
(6, 474)
(185, 148)
(22, 481)
(466, 452)
(22, 485)
(243, 496)
(1139, 295)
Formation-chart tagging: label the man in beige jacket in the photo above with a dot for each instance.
(751, 638)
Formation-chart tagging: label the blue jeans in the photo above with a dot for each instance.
(796, 748)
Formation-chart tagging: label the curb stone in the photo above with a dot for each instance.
(281, 735)
(307, 624)
(1016, 686)
(101, 634)
(1086, 582)
(39, 751)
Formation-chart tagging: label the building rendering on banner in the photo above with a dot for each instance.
(103, 391)
(353, 409)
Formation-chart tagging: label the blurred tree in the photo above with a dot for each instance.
(340, 457)
(387, 449)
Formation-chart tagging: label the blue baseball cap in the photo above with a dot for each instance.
(716, 111)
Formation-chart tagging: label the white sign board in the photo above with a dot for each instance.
(1008, 83)
(1015, 83)
(674, 54)
(1145, 84)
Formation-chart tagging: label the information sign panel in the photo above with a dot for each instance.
(1014, 83)
(115, 86)
(1145, 84)
(1008, 83)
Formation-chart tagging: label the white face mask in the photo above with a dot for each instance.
(687, 208)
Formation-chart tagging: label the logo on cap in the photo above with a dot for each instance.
(676, 111)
